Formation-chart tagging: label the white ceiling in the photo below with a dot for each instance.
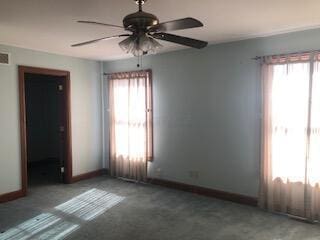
(50, 25)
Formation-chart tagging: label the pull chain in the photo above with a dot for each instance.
(139, 64)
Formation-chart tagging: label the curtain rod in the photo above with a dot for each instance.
(126, 72)
(285, 54)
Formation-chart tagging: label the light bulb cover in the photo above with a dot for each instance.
(140, 45)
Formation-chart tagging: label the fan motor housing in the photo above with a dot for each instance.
(140, 21)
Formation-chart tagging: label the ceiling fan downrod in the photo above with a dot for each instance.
(140, 3)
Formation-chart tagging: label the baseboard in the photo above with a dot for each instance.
(233, 197)
(11, 196)
(89, 175)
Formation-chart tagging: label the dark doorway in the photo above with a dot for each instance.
(45, 126)
(44, 110)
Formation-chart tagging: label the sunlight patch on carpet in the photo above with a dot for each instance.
(66, 218)
(30, 227)
(90, 204)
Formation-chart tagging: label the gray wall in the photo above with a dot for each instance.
(85, 112)
(207, 110)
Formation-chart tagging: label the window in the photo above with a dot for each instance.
(130, 99)
(291, 135)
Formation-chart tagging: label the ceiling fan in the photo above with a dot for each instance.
(145, 28)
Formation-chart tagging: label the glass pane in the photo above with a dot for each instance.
(130, 117)
(290, 95)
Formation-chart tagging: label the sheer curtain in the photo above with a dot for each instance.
(290, 167)
(130, 102)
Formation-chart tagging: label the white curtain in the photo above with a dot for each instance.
(290, 102)
(130, 124)
(290, 167)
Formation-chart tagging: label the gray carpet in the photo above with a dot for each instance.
(105, 208)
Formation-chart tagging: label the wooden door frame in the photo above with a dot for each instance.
(23, 126)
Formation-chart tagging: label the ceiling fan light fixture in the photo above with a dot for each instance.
(130, 45)
(156, 46)
(139, 46)
(127, 44)
(146, 29)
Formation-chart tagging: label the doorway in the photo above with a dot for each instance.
(45, 126)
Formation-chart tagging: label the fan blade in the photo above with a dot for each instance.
(99, 39)
(179, 24)
(103, 24)
(180, 40)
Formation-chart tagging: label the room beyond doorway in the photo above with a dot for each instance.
(45, 126)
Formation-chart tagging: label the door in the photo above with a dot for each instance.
(55, 93)
(45, 117)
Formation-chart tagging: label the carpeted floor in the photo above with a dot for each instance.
(105, 208)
